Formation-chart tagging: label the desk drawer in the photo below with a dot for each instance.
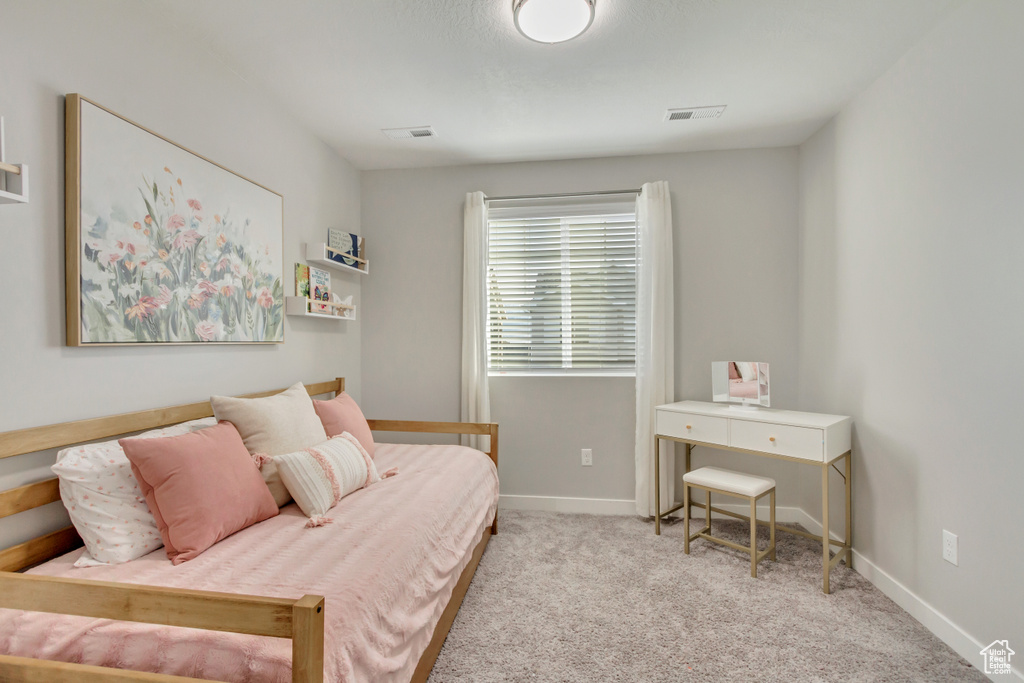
(796, 442)
(696, 427)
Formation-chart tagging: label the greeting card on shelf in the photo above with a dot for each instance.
(345, 248)
(319, 288)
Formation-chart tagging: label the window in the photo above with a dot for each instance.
(561, 286)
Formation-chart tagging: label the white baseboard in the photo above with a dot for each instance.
(948, 632)
(616, 506)
(963, 643)
(586, 506)
(783, 515)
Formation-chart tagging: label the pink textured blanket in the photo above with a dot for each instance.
(387, 567)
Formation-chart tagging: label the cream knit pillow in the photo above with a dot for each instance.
(283, 423)
(320, 476)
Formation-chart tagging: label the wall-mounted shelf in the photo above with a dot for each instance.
(319, 253)
(300, 305)
(13, 177)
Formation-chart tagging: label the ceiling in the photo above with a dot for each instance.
(347, 68)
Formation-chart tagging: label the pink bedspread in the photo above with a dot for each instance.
(387, 567)
(740, 389)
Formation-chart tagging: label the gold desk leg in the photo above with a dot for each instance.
(824, 527)
(689, 510)
(771, 527)
(849, 510)
(657, 487)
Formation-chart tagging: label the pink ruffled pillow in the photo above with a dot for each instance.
(201, 487)
(341, 414)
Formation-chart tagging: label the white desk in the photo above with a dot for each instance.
(810, 438)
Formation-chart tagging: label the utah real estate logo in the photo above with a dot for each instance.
(997, 657)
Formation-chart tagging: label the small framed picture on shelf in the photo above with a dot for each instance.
(346, 248)
(319, 289)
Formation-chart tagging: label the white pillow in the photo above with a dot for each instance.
(320, 476)
(748, 371)
(104, 501)
(274, 425)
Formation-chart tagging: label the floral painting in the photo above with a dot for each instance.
(172, 248)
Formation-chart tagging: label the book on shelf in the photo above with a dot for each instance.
(346, 248)
(319, 289)
(302, 280)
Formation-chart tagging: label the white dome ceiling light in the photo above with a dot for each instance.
(552, 21)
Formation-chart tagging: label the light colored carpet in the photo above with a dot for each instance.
(589, 598)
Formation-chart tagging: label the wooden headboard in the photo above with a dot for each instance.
(34, 439)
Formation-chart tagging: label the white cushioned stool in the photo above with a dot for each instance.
(716, 480)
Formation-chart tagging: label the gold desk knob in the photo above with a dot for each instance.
(772, 439)
(689, 427)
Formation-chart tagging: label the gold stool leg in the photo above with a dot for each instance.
(686, 518)
(707, 510)
(771, 525)
(753, 537)
(688, 501)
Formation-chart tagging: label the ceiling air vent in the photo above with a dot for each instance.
(409, 133)
(694, 113)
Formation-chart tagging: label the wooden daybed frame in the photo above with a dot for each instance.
(300, 620)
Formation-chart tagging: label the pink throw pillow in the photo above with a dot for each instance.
(341, 414)
(201, 487)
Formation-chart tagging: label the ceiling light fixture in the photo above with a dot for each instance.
(552, 21)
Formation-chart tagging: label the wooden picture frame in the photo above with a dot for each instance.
(162, 245)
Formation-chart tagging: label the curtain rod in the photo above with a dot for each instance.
(560, 196)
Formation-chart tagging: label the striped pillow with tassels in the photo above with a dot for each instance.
(320, 476)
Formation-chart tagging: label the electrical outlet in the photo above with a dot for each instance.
(949, 547)
(587, 455)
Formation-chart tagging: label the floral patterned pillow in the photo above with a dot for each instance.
(105, 502)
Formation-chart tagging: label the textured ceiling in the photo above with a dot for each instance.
(347, 68)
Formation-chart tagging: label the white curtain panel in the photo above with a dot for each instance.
(655, 345)
(476, 397)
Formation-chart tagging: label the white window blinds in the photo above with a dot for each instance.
(561, 285)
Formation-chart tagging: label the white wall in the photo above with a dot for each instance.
(124, 57)
(735, 231)
(912, 313)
